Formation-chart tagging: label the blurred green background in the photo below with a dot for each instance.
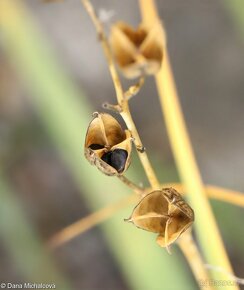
(52, 77)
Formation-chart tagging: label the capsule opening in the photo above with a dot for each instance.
(116, 158)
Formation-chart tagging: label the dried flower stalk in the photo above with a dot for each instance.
(122, 106)
(103, 124)
(86, 223)
(206, 225)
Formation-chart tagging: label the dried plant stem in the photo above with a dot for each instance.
(122, 100)
(137, 189)
(86, 223)
(216, 192)
(184, 158)
(194, 259)
(117, 84)
(205, 223)
(134, 90)
(226, 195)
(126, 115)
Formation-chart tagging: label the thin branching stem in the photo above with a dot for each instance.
(194, 259)
(122, 100)
(215, 192)
(135, 188)
(101, 35)
(134, 90)
(86, 223)
(170, 104)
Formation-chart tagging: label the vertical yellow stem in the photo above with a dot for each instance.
(142, 155)
(206, 227)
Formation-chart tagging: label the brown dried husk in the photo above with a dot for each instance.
(163, 212)
(106, 131)
(138, 51)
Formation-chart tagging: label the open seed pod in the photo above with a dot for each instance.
(107, 145)
(163, 212)
(138, 51)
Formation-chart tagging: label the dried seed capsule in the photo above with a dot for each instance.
(107, 145)
(137, 51)
(163, 212)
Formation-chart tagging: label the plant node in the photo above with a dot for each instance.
(115, 108)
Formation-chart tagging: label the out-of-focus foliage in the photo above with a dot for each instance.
(65, 112)
(237, 12)
(22, 242)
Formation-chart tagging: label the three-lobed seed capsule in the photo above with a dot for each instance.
(137, 51)
(164, 212)
(107, 145)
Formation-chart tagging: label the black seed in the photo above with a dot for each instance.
(96, 146)
(116, 159)
(107, 157)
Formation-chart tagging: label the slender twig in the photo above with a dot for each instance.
(185, 160)
(86, 223)
(226, 195)
(194, 259)
(122, 101)
(101, 35)
(215, 192)
(137, 189)
(134, 90)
